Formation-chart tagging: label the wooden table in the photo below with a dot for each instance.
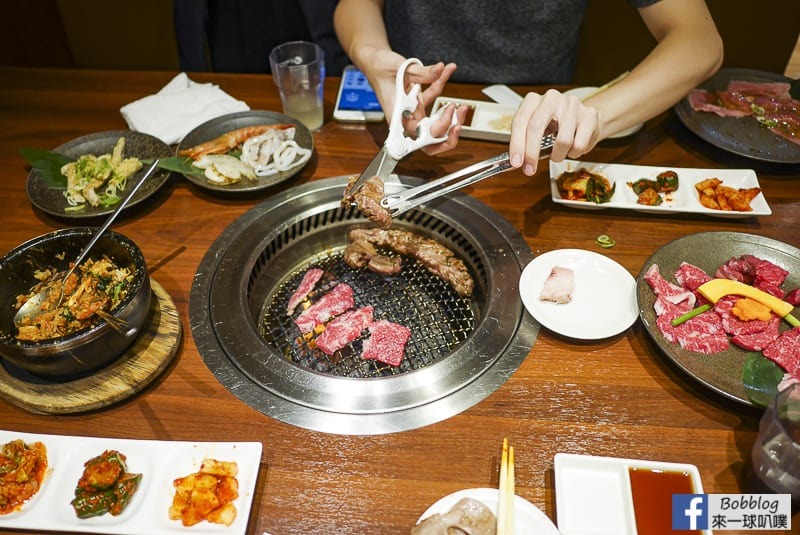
(616, 397)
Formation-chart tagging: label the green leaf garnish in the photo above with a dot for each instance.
(177, 164)
(48, 164)
(760, 377)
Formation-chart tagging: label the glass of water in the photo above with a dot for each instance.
(298, 68)
(776, 452)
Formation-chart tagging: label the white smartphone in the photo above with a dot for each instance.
(356, 101)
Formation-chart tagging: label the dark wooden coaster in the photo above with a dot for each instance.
(147, 357)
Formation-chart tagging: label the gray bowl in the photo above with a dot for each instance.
(88, 349)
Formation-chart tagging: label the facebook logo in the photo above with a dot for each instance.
(689, 511)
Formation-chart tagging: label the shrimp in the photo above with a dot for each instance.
(229, 140)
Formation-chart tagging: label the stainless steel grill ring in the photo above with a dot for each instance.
(461, 349)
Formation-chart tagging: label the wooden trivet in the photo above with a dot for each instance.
(147, 357)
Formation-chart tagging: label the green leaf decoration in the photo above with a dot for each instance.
(177, 164)
(761, 377)
(48, 164)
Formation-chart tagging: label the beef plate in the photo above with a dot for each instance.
(337, 301)
(769, 102)
(387, 342)
(436, 258)
(710, 332)
(344, 329)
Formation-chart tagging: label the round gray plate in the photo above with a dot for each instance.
(220, 125)
(721, 372)
(740, 135)
(143, 146)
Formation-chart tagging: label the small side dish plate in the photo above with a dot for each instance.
(232, 121)
(485, 120)
(159, 462)
(685, 200)
(527, 517)
(585, 92)
(603, 302)
(594, 496)
(51, 200)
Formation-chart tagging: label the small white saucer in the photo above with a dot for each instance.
(603, 302)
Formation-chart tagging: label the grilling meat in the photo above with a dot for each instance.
(344, 329)
(330, 305)
(387, 342)
(368, 200)
(361, 253)
(437, 258)
(310, 280)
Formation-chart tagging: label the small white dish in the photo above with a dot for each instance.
(603, 302)
(685, 200)
(528, 519)
(594, 497)
(485, 120)
(584, 92)
(159, 462)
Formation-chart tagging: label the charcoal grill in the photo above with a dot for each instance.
(461, 349)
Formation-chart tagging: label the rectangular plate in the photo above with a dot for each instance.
(159, 462)
(485, 120)
(593, 494)
(684, 200)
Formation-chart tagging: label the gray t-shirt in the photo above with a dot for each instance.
(492, 41)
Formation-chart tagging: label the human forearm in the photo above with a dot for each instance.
(689, 50)
(360, 29)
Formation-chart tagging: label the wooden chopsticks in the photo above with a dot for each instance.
(505, 504)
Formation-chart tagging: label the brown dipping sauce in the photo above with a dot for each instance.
(652, 492)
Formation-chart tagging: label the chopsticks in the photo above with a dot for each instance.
(606, 85)
(505, 504)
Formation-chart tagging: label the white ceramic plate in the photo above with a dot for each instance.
(684, 200)
(603, 302)
(528, 519)
(584, 92)
(593, 494)
(485, 120)
(159, 463)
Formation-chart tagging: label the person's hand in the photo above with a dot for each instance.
(432, 78)
(577, 128)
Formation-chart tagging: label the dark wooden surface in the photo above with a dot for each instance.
(618, 397)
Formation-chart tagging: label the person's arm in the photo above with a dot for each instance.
(361, 31)
(689, 50)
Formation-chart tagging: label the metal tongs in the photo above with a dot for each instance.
(397, 203)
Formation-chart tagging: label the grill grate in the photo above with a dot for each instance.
(439, 318)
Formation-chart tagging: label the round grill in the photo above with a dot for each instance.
(461, 349)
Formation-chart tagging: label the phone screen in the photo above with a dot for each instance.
(357, 94)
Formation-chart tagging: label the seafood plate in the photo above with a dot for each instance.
(247, 151)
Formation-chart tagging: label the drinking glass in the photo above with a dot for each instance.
(776, 452)
(298, 68)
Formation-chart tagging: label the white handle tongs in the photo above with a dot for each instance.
(397, 203)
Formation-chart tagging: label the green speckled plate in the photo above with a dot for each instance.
(52, 201)
(721, 372)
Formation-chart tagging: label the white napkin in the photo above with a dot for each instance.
(179, 107)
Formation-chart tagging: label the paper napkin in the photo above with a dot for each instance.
(178, 108)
